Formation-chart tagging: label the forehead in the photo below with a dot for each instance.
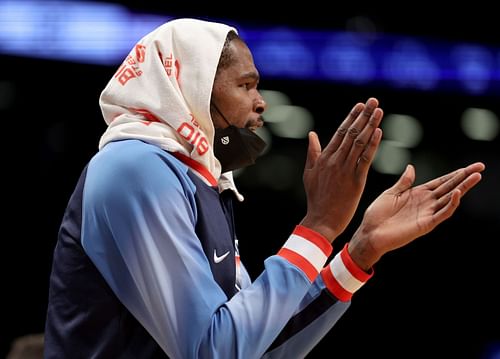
(241, 61)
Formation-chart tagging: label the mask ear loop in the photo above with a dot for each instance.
(220, 113)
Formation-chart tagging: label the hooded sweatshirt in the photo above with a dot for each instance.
(147, 264)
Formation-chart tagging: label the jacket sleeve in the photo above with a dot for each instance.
(325, 303)
(139, 221)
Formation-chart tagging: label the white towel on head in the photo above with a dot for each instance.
(161, 94)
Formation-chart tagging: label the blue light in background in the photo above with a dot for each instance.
(409, 64)
(346, 57)
(492, 351)
(475, 66)
(95, 33)
(100, 33)
(281, 52)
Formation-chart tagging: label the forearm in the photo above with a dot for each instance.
(326, 301)
(299, 343)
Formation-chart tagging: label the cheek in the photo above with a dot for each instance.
(242, 108)
(239, 116)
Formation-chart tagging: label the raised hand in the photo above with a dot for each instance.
(335, 178)
(403, 213)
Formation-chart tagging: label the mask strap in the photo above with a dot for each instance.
(220, 113)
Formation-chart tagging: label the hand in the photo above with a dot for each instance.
(335, 178)
(403, 213)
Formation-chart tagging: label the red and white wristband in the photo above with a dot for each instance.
(343, 277)
(308, 250)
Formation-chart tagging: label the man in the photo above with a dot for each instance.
(146, 264)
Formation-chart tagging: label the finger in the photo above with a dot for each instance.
(360, 125)
(343, 128)
(435, 183)
(405, 181)
(456, 178)
(313, 150)
(446, 206)
(363, 140)
(469, 182)
(366, 158)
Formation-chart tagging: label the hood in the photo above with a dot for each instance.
(161, 93)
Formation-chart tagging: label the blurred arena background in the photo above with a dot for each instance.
(436, 74)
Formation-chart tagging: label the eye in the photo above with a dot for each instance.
(246, 85)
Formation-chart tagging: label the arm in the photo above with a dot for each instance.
(325, 303)
(334, 179)
(397, 217)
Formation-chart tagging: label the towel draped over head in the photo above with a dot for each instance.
(161, 95)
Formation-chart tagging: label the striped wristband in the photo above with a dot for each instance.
(308, 250)
(343, 277)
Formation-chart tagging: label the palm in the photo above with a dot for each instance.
(402, 217)
(403, 213)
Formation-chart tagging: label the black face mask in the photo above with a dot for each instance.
(236, 147)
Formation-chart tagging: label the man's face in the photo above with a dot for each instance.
(235, 91)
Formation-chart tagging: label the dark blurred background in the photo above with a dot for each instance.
(437, 297)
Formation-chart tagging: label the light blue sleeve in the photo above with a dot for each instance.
(304, 340)
(139, 230)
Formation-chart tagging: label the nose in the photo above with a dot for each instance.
(260, 105)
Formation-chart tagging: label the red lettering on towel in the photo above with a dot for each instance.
(130, 69)
(191, 133)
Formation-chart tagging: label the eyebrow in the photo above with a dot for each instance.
(252, 75)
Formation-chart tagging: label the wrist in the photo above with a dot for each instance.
(324, 231)
(362, 252)
(343, 277)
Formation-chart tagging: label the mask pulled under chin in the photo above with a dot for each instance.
(237, 147)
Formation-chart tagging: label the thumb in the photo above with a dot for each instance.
(406, 180)
(313, 150)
